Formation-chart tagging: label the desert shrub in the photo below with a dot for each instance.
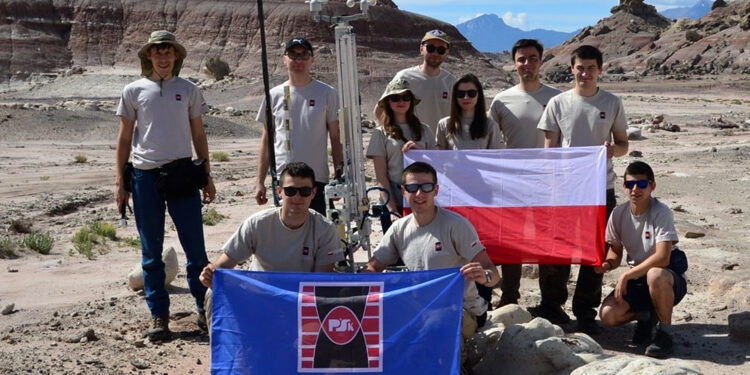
(80, 158)
(103, 229)
(212, 217)
(131, 241)
(7, 247)
(84, 240)
(220, 156)
(40, 242)
(44, 178)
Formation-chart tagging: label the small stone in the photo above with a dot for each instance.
(198, 361)
(734, 211)
(713, 149)
(729, 266)
(8, 309)
(139, 365)
(694, 235)
(679, 208)
(139, 344)
(635, 154)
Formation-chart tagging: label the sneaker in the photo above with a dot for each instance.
(555, 314)
(201, 321)
(644, 330)
(662, 345)
(589, 327)
(159, 330)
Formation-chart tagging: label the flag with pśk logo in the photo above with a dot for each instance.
(322, 323)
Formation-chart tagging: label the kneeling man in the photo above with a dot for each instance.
(432, 237)
(648, 291)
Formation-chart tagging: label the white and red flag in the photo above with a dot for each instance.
(543, 206)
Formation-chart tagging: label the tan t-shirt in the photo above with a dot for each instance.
(639, 234)
(463, 141)
(434, 94)
(517, 113)
(390, 148)
(279, 248)
(449, 240)
(585, 121)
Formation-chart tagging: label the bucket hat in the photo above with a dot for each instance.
(395, 87)
(156, 38)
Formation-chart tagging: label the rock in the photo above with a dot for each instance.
(632, 365)
(139, 365)
(84, 335)
(229, 109)
(693, 36)
(679, 208)
(739, 326)
(634, 133)
(718, 4)
(734, 211)
(694, 235)
(139, 344)
(729, 266)
(509, 315)
(216, 68)
(169, 257)
(8, 309)
(530, 271)
(635, 154)
(21, 226)
(658, 119)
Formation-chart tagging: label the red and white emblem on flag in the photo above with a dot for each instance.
(340, 327)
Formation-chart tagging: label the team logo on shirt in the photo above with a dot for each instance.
(602, 115)
(305, 250)
(445, 94)
(648, 235)
(178, 97)
(438, 246)
(312, 102)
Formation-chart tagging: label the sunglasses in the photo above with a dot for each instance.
(304, 56)
(425, 187)
(432, 49)
(400, 98)
(470, 93)
(642, 184)
(291, 191)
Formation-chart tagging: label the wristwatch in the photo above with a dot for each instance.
(488, 276)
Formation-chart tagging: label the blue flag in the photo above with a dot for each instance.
(322, 323)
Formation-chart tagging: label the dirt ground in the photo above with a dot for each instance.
(72, 315)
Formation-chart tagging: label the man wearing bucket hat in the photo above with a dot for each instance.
(429, 82)
(160, 117)
(305, 110)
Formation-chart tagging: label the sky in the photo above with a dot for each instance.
(560, 15)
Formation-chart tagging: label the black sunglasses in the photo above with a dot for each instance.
(471, 93)
(291, 191)
(304, 56)
(400, 98)
(431, 49)
(425, 187)
(632, 183)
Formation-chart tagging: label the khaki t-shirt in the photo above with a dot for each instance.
(279, 248)
(517, 113)
(390, 148)
(434, 94)
(449, 240)
(639, 234)
(585, 121)
(463, 141)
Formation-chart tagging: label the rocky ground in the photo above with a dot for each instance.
(74, 315)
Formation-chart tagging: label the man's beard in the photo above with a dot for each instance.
(432, 63)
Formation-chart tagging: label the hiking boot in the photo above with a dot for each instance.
(589, 327)
(555, 314)
(201, 321)
(159, 330)
(662, 345)
(504, 302)
(644, 330)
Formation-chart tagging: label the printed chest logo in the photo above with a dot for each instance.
(438, 246)
(340, 327)
(445, 94)
(305, 250)
(648, 235)
(602, 115)
(178, 97)
(312, 102)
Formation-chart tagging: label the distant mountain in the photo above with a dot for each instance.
(700, 9)
(488, 33)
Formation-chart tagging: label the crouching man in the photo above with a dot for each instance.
(432, 237)
(654, 284)
(292, 238)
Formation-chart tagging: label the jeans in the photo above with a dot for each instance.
(149, 209)
(319, 200)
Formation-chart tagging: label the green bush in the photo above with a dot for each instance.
(7, 247)
(84, 241)
(132, 242)
(212, 217)
(103, 229)
(220, 156)
(80, 158)
(40, 242)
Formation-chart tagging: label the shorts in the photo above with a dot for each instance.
(639, 298)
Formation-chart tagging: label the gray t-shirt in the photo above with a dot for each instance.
(463, 141)
(279, 248)
(313, 106)
(162, 116)
(638, 235)
(585, 121)
(434, 94)
(390, 148)
(517, 113)
(449, 240)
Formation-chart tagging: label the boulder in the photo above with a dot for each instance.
(509, 315)
(634, 133)
(169, 257)
(637, 365)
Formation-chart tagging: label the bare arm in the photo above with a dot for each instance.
(207, 275)
(551, 139)
(200, 143)
(374, 265)
(612, 260)
(474, 270)
(334, 134)
(620, 147)
(122, 153)
(263, 165)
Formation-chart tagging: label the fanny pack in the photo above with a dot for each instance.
(678, 261)
(181, 178)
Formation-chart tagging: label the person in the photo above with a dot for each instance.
(582, 116)
(467, 127)
(160, 115)
(652, 286)
(517, 111)
(292, 238)
(400, 131)
(431, 237)
(304, 110)
(429, 82)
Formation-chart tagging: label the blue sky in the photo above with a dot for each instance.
(561, 15)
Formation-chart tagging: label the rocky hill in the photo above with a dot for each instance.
(637, 41)
(53, 35)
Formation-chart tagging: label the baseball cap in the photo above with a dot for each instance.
(436, 34)
(298, 41)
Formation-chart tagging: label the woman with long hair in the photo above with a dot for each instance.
(400, 131)
(468, 127)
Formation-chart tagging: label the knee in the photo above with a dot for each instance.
(659, 279)
(608, 315)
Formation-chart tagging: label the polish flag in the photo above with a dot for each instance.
(533, 206)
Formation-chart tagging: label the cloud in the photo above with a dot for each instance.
(519, 20)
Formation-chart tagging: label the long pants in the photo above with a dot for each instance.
(319, 200)
(553, 280)
(149, 209)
